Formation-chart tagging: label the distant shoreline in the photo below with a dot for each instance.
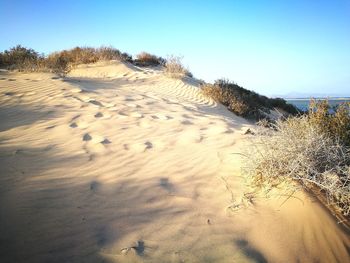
(328, 98)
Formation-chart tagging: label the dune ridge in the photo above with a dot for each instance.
(116, 163)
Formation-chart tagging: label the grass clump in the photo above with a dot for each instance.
(312, 149)
(174, 68)
(145, 59)
(244, 102)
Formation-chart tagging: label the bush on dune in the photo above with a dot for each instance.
(25, 59)
(20, 57)
(145, 59)
(312, 149)
(174, 68)
(244, 102)
(66, 59)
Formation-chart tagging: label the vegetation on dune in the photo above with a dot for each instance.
(244, 102)
(174, 68)
(26, 59)
(20, 58)
(312, 149)
(145, 59)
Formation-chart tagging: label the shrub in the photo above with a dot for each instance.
(335, 124)
(145, 59)
(21, 58)
(311, 149)
(244, 102)
(175, 69)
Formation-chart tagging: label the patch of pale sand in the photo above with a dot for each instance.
(297, 228)
(112, 69)
(80, 188)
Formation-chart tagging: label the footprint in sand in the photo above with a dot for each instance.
(138, 249)
(10, 93)
(73, 125)
(186, 122)
(150, 103)
(95, 102)
(159, 116)
(98, 115)
(106, 141)
(87, 137)
(96, 139)
(129, 99)
(122, 114)
(133, 105)
(94, 186)
(95, 144)
(139, 147)
(104, 115)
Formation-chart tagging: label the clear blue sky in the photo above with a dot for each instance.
(272, 47)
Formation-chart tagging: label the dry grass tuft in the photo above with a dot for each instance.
(175, 69)
(311, 149)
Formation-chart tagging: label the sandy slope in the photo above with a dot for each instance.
(120, 164)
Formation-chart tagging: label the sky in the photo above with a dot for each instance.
(271, 47)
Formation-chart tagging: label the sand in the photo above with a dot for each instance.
(122, 164)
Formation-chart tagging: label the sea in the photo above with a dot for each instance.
(303, 104)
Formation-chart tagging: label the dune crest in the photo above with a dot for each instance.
(115, 163)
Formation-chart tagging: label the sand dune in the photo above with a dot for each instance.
(116, 163)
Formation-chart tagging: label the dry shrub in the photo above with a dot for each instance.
(67, 59)
(145, 59)
(305, 149)
(20, 58)
(24, 59)
(225, 97)
(334, 122)
(175, 69)
(244, 102)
